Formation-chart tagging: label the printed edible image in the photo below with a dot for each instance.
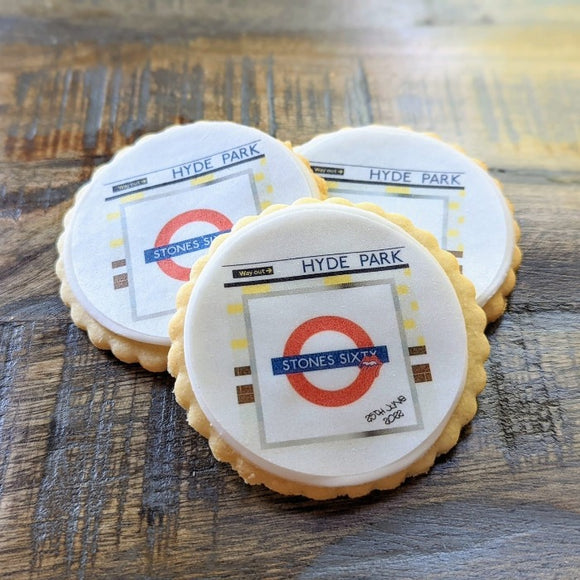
(323, 368)
(187, 217)
(435, 204)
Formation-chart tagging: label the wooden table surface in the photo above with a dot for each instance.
(100, 476)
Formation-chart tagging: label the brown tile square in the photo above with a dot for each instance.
(120, 281)
(245, 394)
(422, 373)
(242, 371)
(417, 350)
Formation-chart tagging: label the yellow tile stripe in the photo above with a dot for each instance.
(114, 215)
(454, 205)
(203, 179)
(235, 308)
(132, 197)
(116, 243)
(402, 289)
(259, 177)
(239, 343)
(256, 289)
(342, 279)
(398, 189)
(409, 323)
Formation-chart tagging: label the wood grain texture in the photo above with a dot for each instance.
(100, 477)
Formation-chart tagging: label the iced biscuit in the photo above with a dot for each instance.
(145, 217)
(435, 185)
(328, 349)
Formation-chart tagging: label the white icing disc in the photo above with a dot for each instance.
(325, 345)
(149, 214)
(439, 188)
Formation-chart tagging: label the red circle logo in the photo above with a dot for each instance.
(368, 369)
(172, 269)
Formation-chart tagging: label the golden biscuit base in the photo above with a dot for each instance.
(151, 357)
(477, 347)
(497, 304)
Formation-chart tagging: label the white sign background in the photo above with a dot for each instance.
(286, 416)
